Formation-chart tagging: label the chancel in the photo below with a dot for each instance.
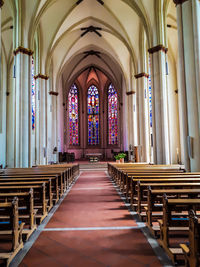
(100, 133)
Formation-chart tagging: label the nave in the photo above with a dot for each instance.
(92, 227)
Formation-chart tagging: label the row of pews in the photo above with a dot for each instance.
(167, 198)
(26, 197)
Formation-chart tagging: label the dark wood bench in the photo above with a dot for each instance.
(191, 250)
(156, 180)
(42, 172)
(171, 224)
(140, 193)
(10, 230)
(154, 202)
(22, 178)
(26, 212)
(39, 193)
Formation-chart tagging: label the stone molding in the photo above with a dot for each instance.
(157, 48)
(41, 76)
(23, 50)
(53, 93)
(179, 2)
(130, 93)
(142, 74)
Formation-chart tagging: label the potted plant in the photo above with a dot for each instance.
(122, 156)
(117, 158)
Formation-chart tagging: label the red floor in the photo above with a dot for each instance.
(92, 202)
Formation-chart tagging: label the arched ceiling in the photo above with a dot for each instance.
(66, 48)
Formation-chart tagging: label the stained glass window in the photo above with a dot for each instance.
(93, 115)
(73, 116)
(150, 94)
(33, 94)
(112, 116)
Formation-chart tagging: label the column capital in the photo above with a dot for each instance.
(53, 93)
(130, 93)
(157, 48)
(41, 76)
(1, 3)
(23, 50)
(142, 74)
(179, 2)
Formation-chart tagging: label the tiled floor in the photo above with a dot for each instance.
(116, 240)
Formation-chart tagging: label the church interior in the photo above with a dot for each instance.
(100, 133)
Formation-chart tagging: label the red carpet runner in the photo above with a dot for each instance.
(96, 231)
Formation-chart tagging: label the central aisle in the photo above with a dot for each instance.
(91, 228)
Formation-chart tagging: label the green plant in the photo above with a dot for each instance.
(117, 157)
(122, 155)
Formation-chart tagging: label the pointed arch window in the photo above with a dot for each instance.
(73, 115)
(112, 116)
(33, 93)
(93, 115)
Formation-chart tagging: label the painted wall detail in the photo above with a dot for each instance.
(93, 115)
(73, 116)
(33, 94)
(112, 116)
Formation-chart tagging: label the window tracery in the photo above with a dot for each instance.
(112, 116)
(93, 115)
(73, 116)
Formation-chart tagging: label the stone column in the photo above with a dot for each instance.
(41, 119)
(22, 66)
(143, 115)
(188, 20)
(159, 105)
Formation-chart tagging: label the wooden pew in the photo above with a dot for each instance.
(172, 223)
(10, 228)
(154, 201)
(159, 183)
(191, 251)
(40, 202)
(124, 178)
(22, 178)
(158, 179)
(26, 210)
(48, 188)
(34, 171)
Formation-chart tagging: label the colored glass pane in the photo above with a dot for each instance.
(112, 116)
(33, 94)
(93, 115)
(150, 94)
(73, 116)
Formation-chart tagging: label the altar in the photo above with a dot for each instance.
(93, 157)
